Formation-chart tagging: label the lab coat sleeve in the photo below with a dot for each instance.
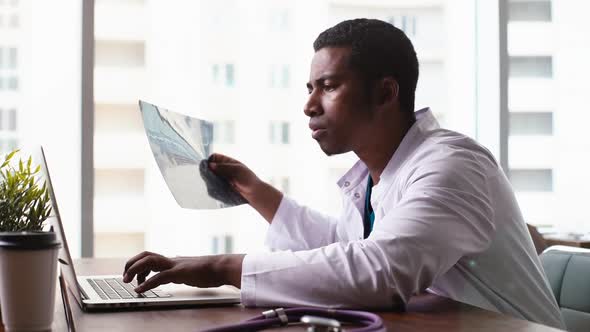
(445, 213)
(296, 227)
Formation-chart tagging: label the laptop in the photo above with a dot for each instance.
(106, 292)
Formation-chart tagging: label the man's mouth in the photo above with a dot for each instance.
(318, 133)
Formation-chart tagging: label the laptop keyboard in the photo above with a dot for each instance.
(115, 288)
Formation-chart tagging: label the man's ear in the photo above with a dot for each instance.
(388, 91)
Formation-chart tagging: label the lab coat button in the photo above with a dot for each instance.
(357, 195)
(346, 184)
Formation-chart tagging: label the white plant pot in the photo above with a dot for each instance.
(28, 269)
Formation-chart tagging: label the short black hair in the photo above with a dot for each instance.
(378, 49)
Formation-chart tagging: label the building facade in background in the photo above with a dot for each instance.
(243, 65)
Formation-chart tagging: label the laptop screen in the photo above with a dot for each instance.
(65, 260)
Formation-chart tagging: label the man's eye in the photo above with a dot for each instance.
(329, 88)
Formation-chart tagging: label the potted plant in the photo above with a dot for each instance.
(28, 256)
(24, 205)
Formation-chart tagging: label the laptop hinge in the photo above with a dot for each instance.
(84, 295)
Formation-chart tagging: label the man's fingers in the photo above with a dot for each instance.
(145, 265)
(161, 278)
(221, 158)
(141, 276)
(226, 170)
(135, 258)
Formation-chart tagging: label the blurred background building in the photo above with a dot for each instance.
(243, 65)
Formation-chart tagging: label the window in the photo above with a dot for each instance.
(243, 65)
(12, 119)
(407, 23)
(222, 244)
(14, 21)
(279, 76)
(229, 74)
(224, 132)
(12, 83)
(282, 183)
(215, 73)
(531, 66)
(8, 120)
(279, 19)
(532, 180)
(8, 145)
(223, 74)
(119, 53)
(547, 144)
(531, 123)
(526, 10)
(12, 58)
(279, 132)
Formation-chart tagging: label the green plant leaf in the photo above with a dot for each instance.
(24, 203)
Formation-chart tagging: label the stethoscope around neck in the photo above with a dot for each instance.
(317, 319)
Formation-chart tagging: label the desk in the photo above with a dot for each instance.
(567, 240)
(425, 313)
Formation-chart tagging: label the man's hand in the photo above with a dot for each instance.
(261, 196)
(239, 176)
(204, 271)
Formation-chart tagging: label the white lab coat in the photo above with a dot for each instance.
(446, 219)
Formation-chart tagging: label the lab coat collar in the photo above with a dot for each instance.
(425, 122)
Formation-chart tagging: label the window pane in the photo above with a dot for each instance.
(531, 179)
(525, 10)
(531, 123)
(12, 57)
(243, 65)
(12, 119)
(40, 61)
(531, 66)
(120, 53)
(548, 143)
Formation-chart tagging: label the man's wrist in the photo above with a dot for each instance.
(229, 267)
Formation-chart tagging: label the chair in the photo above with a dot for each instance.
(568, 272)
(538, 239)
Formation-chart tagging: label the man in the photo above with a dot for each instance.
(423, 208)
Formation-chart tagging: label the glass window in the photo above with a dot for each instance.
(285, 133)
(531, 179)
(285, 77)
(12, 119)
(224, 132)
(12, 83)
(531, 123)
(526, 10)
(188, 59)
(40, 61)
(14, 21)
(547, 145)
(215, 73)
(229, 74)
(279, 132)
(119, 53)
(531, 66)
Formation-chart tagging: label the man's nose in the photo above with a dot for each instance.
(312, 107)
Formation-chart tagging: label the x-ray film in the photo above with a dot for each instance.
(181, 146)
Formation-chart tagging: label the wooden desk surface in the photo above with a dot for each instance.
(567, 240)
(425, 313)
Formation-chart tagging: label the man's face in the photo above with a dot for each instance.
(338, 105)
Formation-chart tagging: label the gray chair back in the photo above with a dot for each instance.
(568, 271)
